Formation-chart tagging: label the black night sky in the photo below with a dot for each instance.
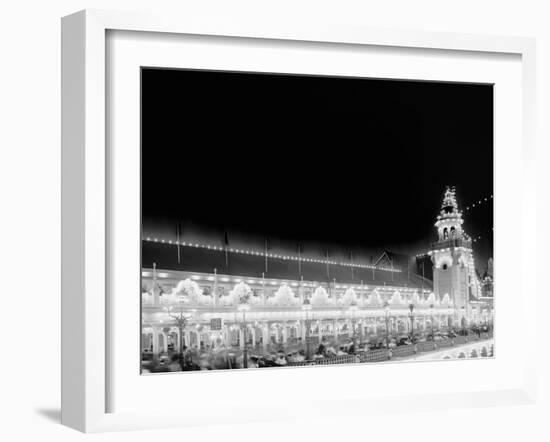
(339, 163)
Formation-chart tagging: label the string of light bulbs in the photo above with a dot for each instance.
(479, 237)
(478, 203)
(269, 255)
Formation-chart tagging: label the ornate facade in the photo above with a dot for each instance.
(267, 301)
(453, 259)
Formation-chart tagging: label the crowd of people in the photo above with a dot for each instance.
(223, 358)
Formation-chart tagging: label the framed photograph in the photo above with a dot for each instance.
(249, 209)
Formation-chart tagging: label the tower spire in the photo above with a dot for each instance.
(449, 204)
(449, 221)
(452, 256)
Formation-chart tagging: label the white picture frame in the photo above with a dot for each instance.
(86, 204)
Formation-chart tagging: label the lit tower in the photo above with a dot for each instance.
(452, 257)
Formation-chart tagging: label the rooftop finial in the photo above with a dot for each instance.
(449, 204)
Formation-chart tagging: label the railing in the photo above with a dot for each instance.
(379, 355)
(345, 359)
(425, 346)
(300, 363)
(456, 242)
(458, 340)
(335, 360)
(384, 354)
(403, 350)
(421, 347)
(444, 343)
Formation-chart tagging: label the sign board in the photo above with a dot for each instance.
(216, 324)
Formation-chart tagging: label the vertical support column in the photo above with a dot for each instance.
(265, 335)
(241, 338)
(285, 333)
(161, 341)
(155, 341)
(215, 289)
(226, 335)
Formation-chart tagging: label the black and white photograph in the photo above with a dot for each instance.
(299, 221)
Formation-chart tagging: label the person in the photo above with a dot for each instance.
(268, 361)
(322, 348)
(281, 360)
(204, 363)
(174, 364)
(253, 362)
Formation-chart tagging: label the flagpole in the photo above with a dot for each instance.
(328, 270)
(215, 294)
(264, 298)
(226, 241)
(422, 278)
(299, 260)
(266, 255)
(178, 241)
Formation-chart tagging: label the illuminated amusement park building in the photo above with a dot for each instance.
(453, 259)
(200, 295)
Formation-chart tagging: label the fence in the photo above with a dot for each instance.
(346, 359)
(401, 351)
(300, 363)
(382, 354)
(444, 343)
(459, 340)
(425, 346)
